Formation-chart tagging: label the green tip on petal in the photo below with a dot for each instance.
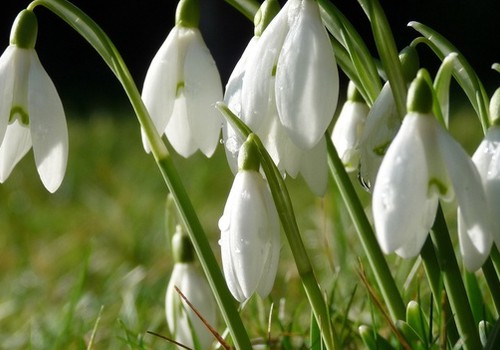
(248, 158)
(495, 108)
(182, 248)
(409, 62)
(420, 95)
(265, 15)
(24, 30)
(188, 13)
(353, 93)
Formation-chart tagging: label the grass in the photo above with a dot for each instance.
(87, 267)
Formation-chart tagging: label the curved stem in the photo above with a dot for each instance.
(90, 31)
(378, 264)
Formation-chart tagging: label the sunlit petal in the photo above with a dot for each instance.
(160, 83)
(307, 78)
(7, 77)
(16, 143)
(314, 168)
(400, 202)
(202, 90)
(471, 199)
(178, 131)
(48, 127)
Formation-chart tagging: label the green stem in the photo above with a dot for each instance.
(290, 227)
(378, 264)
(491, 277)
(432, 271)
(247, 7)
(453, 283)
(90, 31)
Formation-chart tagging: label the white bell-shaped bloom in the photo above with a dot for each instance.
(423, 164)
(349, 127)
(296, 50)
(289, 158)
(381, 126)
(180, 90)
(31, 114)
(487, 160)
(183, 323)
(307, 83)
(250, 235)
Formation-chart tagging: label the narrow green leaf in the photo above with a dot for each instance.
(386, 47)
(463, 72)
(345, 33)
(442, 85)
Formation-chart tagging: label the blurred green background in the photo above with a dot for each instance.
(95, 254)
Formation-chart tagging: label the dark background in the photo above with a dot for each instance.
(138, 27)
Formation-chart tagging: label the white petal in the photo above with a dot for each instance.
(178, 131)
(48, 127)
(203, 89)
(307, 79)
(487, 160)
(382, 125)
(401, 206)
(7, 77)
(314, 168)
(473, 259)
(160, 83)
(16, 143)
(250, 220)
(260, 68)
(179, 315)
(469, 192)
(347, 133)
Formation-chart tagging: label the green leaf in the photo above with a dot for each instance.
(386, 47)
(373, 340)
(364, 72)
(463, 72)
(442, 85)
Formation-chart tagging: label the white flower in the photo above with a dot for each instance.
(180, 90)
(250, 236)
(423, 164)
(289, 158)
(182, 321)
(31, 114)
(487, 160)
(348, 129)
(295, 49)
(382, 124)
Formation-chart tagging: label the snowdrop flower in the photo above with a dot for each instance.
(31, 112)
(383, 122)
(181, 87)
(296, 50)
(250, 234)
(423, 164)
(348, 128)
(312, 163)
(487, 160)
(183, 323)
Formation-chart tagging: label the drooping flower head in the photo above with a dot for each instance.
(250, 235)
(422, 165)
(251, 95)
(183, 323)
(296, 51)
(348, 128)
(182, 85)
(31, 112)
